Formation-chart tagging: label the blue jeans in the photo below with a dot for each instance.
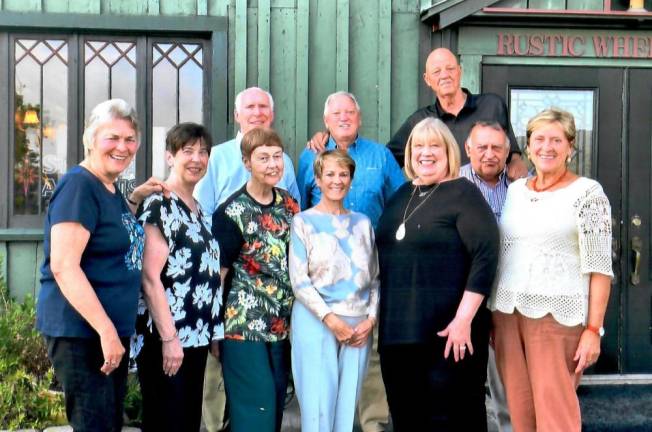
(94, 401)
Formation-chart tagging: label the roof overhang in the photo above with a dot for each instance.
(443, 13)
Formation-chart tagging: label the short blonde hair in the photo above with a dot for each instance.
(552, 115)
(428, 130)
(340, 157)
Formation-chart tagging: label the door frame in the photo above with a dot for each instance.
(608, 164)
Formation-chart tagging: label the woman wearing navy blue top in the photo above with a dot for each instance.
(91, 274)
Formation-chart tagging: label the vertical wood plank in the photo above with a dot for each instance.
(322, 60)
(40, 255)
(301, 92)
(384, 70)
(22, 5)
(202, 7)
(283, 73)
(21, 262)
(5, 135)
(264, 16)
(471, 72)
(219, 92)
(3, 261)
(252, 47)
(406, 67)
(178, 7)
(153, 7)
(218, 7)
(425, 4)
(240, 72)
(342, 46)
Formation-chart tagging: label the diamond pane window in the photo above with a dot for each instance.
(40, 122)
(110, 72)
(177, 93)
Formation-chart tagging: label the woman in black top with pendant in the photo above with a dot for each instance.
(438, 248)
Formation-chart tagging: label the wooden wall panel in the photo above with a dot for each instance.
(22, 5)
(23, 268)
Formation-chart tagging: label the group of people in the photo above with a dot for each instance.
(392, 290)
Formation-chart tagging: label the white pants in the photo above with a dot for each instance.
(327, 375)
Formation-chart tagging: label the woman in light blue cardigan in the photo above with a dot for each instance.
(334, 274)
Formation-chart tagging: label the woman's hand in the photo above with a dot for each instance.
(172, 356)
(361, 333)
(588, 350)
(215, 349)
(152, 185)
(342, 331)
(112, 350)
(459, 338)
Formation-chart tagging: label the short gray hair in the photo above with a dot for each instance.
(112, 109)
(491, 125)
(239, 96)
(340, 93)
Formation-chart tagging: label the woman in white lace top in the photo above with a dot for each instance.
(554, 278)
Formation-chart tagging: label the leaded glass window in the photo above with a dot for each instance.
(40, 121)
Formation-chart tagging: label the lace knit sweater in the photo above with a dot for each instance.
(551, 243)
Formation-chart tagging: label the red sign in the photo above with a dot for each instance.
(568, 45)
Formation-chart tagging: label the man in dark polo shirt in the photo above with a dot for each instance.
(458, 109)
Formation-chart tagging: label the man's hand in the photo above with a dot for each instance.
(318, 141)
(517, 168)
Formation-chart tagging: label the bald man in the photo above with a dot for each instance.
(458, 109)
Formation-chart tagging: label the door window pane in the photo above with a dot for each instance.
(110, 72)
(177, 93)
(40, 122)
(526, 103)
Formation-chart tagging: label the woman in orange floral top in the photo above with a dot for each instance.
(253, 229)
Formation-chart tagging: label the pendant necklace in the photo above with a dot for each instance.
(400, 232)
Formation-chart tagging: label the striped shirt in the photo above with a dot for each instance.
(494, 194)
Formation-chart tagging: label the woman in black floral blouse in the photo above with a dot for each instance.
(253, 230)
(178, 314)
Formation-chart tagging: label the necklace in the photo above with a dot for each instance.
(400, 232)
(545, 188)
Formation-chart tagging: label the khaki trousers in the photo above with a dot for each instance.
(214, 400)
(535, 360)
(373, 411)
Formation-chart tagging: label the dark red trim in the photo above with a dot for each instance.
(519, 11)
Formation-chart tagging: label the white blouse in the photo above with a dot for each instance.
(551, 243)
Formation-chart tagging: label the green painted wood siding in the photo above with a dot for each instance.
(301, 50)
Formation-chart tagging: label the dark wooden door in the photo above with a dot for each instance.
(637, 295)
(612, 107)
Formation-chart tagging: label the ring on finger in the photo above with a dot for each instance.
(462, 347)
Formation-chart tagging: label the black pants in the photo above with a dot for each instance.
(171, 403)
(94, 401)
(427, 393)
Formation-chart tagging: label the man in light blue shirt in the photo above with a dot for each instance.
(487, 147)
(226, 173)
(377, 175)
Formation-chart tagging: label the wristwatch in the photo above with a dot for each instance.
(597, 330)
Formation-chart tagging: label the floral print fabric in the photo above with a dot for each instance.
(254, 242)
(191, 276)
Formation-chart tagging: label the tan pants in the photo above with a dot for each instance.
(214, 401)
(373, 411)
(535, 360)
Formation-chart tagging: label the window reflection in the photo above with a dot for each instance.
(110, 72)
(526, 103)
(177, 93)
(40, 126)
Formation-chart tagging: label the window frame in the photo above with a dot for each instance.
(76, 29)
